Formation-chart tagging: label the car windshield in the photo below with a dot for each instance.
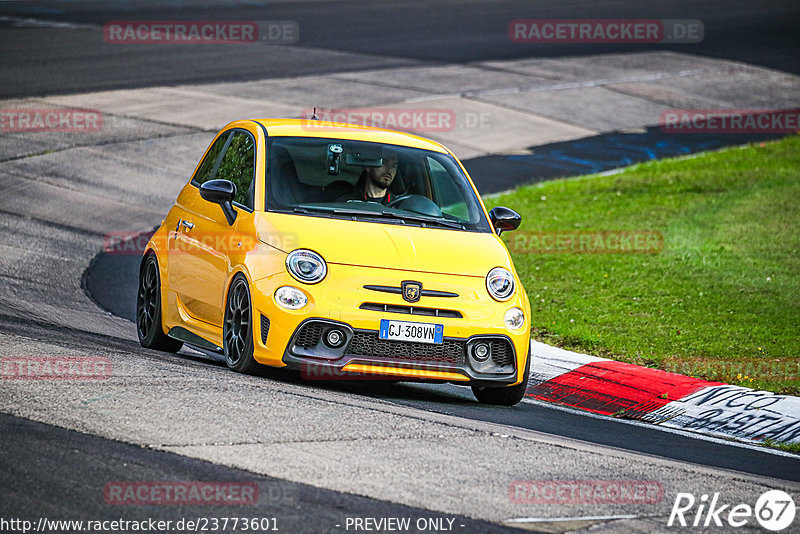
(370, 182)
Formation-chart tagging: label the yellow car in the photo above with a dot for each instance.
(342, 251)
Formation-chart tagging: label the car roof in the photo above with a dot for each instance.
(340, 130)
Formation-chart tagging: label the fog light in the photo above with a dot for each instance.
(514, 319)
(290, 298)
(334, 338)
(481, 352)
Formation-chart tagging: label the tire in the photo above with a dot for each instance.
(504, 396)
(148, 309)
(237, 329)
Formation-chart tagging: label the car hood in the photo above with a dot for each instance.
(386, 246)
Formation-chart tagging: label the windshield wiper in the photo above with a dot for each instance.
(401, 216)
(423, 219)
(307, 211)
(364, 213)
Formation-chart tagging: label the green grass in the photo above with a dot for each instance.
(788, 447)
(721, 300)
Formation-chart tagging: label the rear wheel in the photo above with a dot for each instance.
(148, 309)
(237, 330)
(504, 396)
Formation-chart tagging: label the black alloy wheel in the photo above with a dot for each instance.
(237, 330)
(148, 309)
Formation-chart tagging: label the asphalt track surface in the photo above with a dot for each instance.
(49, 470)
(356, 35)
(111, 281)
(84, 463)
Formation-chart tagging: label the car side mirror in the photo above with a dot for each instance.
(504, 219)
(221, 192)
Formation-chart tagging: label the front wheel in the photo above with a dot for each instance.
(148, 309)
(504, 396)
(237, 330)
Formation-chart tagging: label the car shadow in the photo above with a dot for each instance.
(385, 389)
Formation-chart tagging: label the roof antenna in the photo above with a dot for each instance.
(314, 114)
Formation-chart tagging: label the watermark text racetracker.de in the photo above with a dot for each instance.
(764, 121)
(55, 368)
(406, 118)
(585, 492)
(727, 369)
(586, 242)
(201, 32)
(181, 493)
(326, 372)
(135, 243)
(605, 31)
(54, 120)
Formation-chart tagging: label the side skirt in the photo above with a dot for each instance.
(182, 334)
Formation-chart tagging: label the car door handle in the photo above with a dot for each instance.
(187, 224)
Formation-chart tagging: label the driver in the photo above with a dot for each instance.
(373, 185)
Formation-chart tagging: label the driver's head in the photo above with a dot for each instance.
(383, 176)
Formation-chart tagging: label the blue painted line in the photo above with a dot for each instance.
(595, 154)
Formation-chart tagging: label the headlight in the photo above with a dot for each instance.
(306, 265)
(514, 319)
(290, 298)
(500, 283)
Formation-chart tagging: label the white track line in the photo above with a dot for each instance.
(556, 519)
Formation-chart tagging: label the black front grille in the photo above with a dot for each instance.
(368, 344)
(410, 310)
(502, 352)
(309, 335)
(264, 328)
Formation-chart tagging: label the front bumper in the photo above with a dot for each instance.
(363, 354)
(343, 300)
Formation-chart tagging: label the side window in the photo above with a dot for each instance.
(238, 166)
(208, 169)
(446, 193)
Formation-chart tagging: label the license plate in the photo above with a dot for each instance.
(405, 331)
